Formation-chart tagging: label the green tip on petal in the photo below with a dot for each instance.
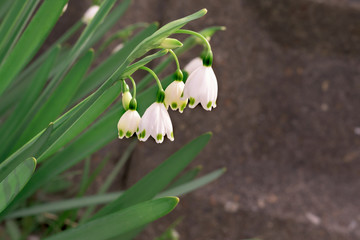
(209, 104)
(121, 133)
(172, 134)
(191, 101)
(159, 137)
(183, 106)
(142, 134)
(174, 105)
(128, 134)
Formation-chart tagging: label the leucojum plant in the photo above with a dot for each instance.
(56, 109)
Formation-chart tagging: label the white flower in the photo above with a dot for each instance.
(126, 98)
(117, 48)
(201, 87)
(193, 65)
(156, 122)
(64, 9)
(90, 14)
(173, 96)
(128, 123)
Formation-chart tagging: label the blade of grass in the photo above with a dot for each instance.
(28, 150)
(21, 83)
(120, 221)
(11, 39)
(13, 230)
(187, 177)
(104, 70)
(159, 178)
(30, 41)
(57, 141)
(95, 200)
(15, 181)
(58, 100)
(111, 178)
(14, 125)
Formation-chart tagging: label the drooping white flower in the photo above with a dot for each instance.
(90, 14)
(193, 65)
(64, 9)
(128, 123)
(156, 122)
(173, 96)
(126, 98)
(118, 47)
(201, 87)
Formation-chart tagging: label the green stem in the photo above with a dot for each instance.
(175, 58)
(134, 86)
(154, 75)
(185, 31)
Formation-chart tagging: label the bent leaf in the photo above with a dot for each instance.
(121, 221)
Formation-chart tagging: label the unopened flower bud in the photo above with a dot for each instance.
(171, 43)
(126, 98)
(90, 14)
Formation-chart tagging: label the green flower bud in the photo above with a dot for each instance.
(171, 43)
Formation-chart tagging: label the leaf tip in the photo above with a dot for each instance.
(222, 28)
(224, 169)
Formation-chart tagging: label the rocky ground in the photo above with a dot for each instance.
(287, 125)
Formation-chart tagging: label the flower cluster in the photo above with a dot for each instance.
(200, 86)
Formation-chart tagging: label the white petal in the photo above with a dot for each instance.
(193, 65)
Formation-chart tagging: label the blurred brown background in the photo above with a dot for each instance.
(287, 125)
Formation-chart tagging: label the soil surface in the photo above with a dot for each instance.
(287, 125)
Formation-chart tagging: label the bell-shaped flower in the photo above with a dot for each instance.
(173, 96)
(156, 122)
(193, 65)
(90, 14)
(201, 87)
(128, 123)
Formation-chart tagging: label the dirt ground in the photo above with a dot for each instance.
(287, 125)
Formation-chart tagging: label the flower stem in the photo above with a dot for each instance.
(185, 31)
(175, 58)
(134, 86)
(154, 75)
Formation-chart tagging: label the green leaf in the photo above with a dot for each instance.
(28, 150)
(12, 36)
(121, 221)
(103, 71)
(31, 40)
(11, 19)
(15, 181)
(108, 22)
(111, 177)
(15, 124)
(192, 185)
(134, 67)
(187, 177)
(147, 187)
(59, 99)
(94, 200)
(60, 138)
